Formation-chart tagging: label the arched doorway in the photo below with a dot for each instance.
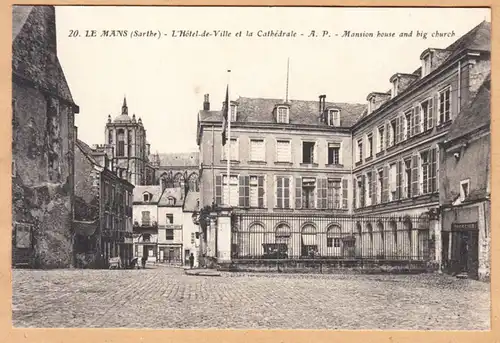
(256, 239)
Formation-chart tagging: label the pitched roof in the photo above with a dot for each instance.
(474, 116)
(185, 159)
(175, 192)
(191, 203)
(479, 38)
(87, 151)
(260, 110)
(19, 16)
(34, 53)
(155, 191)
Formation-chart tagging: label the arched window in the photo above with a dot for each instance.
(129, 143)
(282, 233)
(309, 245)
(120, 151)
(333, 236)
(170, 201)
(394, 229)
(193, 183)
(256, 239)
(110, 137)
(178, 180)
(146, 197)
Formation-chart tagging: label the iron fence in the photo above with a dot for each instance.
(329, 236)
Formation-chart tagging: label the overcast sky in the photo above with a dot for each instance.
(165, 79)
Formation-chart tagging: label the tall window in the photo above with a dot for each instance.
(393, 132)
(282, 115)
(380, 185)
(408, 178)
(233, 145)
(464, 189)
(369, 151)
(333, 118)
(146, 219)
(368, 189)
(283, 151)
(428, 172)
(129, 143)
(381, 138)
(251, 191)
(392, 182)
(282, 192)
(110, 137)
(254, 191)
(427, 115)
(359, 155)
(444, 105)
(333, 197)
(257, 150)
(121, 143)
(308, 152)
(408, 124)
(333, 153)
(233, 190)
(308, 193)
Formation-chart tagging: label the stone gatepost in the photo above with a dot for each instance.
(224, 235)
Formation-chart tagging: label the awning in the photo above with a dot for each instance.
(85, 228)
(308, 239)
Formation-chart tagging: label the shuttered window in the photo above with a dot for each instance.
(334, 193)
(257, 150)
(233, 190)
(414, 176)
(233, 145)
(283, 192)
(323, 193)
(345, 194)
(251, 191)
(427, 108)
(283, 151)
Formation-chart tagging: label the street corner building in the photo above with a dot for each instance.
(43, 113)
(375, 184)
(102, 210)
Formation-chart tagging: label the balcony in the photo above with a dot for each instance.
(170, 226)
(145, 224)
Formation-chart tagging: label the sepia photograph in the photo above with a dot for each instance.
(209, 167)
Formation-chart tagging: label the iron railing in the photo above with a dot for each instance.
(329, 236)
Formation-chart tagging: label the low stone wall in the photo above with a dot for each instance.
(329, 266)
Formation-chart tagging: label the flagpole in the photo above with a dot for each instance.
(228, 172)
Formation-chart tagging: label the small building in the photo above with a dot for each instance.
(145, 221)
(43, 115)
(170, 226)
(465, 190)
(190, 230)
(103, 210)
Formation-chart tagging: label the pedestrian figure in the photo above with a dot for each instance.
(191, 261)
(143, 261)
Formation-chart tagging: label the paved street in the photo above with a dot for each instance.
(165, 297)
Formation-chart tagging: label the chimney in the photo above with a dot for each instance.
(206, 103)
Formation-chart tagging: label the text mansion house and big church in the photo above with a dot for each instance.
(405, 177)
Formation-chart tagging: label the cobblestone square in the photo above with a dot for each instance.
(164, 297)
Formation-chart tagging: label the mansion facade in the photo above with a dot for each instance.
(330, 179)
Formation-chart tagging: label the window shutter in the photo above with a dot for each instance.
(374, 187)
(398, 180)
(242, 191)
(260, 192)
(322, 193)
(345, 184)
(431, 108)
(418, 121)
(218, 189)
(315, 153)
(385, 183)
(437, 109)
(414, 175)
(286, 192)
(397, 134)
(387, 134)
(433, 171)
(362, 192)
(247, 192)
(354, 190)
(279, 191)
(298, 192)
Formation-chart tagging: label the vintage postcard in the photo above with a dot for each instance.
(251, 167)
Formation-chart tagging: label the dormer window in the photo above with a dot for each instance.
(234, 111)
(395, 86)
(282, 114)
(371, 104)
(333, 118)
(171, 201)
(426, 64)
(146, 197)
